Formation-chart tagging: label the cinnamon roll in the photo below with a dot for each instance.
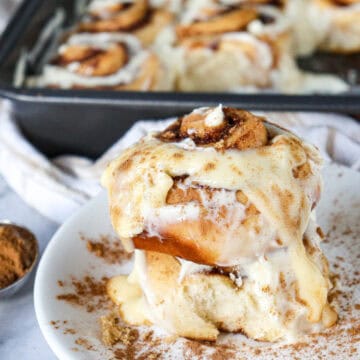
(337, 23)
(226, 48)
(105, 61)
(137, 17)
(220, 209)
(330, 25)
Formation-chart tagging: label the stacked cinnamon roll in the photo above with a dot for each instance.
(219, 208)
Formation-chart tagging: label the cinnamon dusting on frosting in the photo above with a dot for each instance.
(239, 129)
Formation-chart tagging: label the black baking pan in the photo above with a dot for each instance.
(87, 122)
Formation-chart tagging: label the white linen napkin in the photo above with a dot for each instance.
(58, 187)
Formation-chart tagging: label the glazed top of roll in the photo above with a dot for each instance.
(114, 15)
(231, 149)
(220, 148)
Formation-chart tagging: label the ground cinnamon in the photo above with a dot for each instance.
(108, 248)
(18, 250)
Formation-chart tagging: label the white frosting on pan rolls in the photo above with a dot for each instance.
(141, 69)
(331, 25)
(241, 196)
(251, 51)
(238, 46)
(337, 24)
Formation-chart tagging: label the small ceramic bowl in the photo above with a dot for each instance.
(10, 290)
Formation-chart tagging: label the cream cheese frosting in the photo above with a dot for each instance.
(215, 118)
(319, 23)
(66, 77)
(259, 56)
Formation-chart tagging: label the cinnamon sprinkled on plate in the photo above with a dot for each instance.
(108, 248)
(88, 292)
(339, 342)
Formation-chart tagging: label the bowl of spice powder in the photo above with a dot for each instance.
(18, 256)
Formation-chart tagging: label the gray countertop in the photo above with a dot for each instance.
(20, 336)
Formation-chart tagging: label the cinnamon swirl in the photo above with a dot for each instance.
(105, 61)
(137, 17)
(251, 43)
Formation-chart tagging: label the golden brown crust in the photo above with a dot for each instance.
(75, 53)
(240, 130)
(93, 61)
(278, 3)
(174, 244)
(105, 63)
(147, 78)
(107, 11)
(233, 20)
(302, 171)
(126, 19)
(250, 132)
(345, 2)
(181, 196)
(156, 20)
(138, 19)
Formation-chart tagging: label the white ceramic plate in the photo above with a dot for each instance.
(66, 256)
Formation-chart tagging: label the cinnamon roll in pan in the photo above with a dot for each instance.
(105, 61)
(338, 24)
(220, 209)
(327, 25)
(233, 50)
(137, 17)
